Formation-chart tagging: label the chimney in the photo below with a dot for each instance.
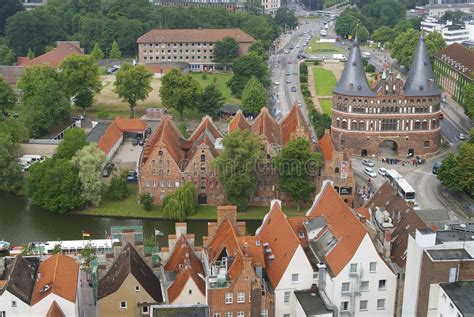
(38, 276)
(387, 243)
(322, 276)
(181, 229)
(187, 261)
(314, 289)
(229, 212)
(246, 249)
(425, 237)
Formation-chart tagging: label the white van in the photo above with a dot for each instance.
(33, 158)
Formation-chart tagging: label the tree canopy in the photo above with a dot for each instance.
(181, 203)
(244, 68)
(132, 84)
(7, 55)
(212, 101)
(457, 170)
(97, 52)
(43, 99)
(254, 96)
(468, 100)
(7, 96)
(237, 166)
(8, 9)
(226, 51)
(11, 178)
(115, 52)
(179, 91)
(284, 17)
(74, 140)
(297, 165)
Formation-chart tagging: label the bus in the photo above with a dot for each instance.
(324, 13)
(403, 188)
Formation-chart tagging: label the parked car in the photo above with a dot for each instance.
(293, 89)
(436, 167)
(300, 104)
(288, 73)
(132, 177)
(134, 142)
(78, 117)
(382, 171)
(276, 82)
(368, 163)
(462, 136)
(288, 81)
(370, 172)
(286, 51)
(108, 169)
(141, 142)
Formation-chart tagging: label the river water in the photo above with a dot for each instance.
(21, 223)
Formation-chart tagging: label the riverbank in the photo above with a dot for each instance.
(129, 208)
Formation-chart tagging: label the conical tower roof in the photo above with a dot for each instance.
(420, 80)
(353, 81)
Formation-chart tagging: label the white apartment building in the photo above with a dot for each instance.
(451, 33)
(270, 6)
(434, 258)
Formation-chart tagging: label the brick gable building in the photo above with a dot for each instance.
(403, 116)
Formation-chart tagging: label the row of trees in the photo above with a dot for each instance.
(102, 22)
(468, 97)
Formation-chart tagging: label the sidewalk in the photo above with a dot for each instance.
(455, 112)
(312, 89)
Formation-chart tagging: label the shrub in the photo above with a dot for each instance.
(303, 69)
(365, 62)
(102, 114)
(303, 78)
(118, 189)
(146, 201)
(370, 68)
(181, 203)
(204, 76)
(316, 63)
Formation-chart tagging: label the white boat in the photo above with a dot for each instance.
(4, 245)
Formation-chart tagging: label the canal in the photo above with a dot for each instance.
(21, 223)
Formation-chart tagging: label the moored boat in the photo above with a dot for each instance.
(4, 246)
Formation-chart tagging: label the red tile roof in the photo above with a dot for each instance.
(193, 35)
(342, 223)
(267, 127)
(254, 249)
(326, 146)
(459, 58)
(238, 122)
(58, 275)
(293, 122)
(364, 212)
(206, 125)
(116, 129)
(54, 57)
(278, 233)
(296, 224)
(183, 276)
(55, 310)
(178, 257)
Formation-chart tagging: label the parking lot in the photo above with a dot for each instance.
(127, 156)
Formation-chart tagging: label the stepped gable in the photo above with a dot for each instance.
(267, 127)
(421, 80)
(238, 122)
(343, 225)
(181, 278)
(353, 81)
(327, 146)
(206, 133)
(181, 251)
(165, 134)
(130, 262)
(281, 239)
(206, 125)
(294, 125)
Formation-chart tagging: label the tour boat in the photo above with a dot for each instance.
(4, 245)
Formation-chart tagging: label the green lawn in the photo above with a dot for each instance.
(221, 80)
(326, 104)
(324, 81)
(315, 47)
(130, 208)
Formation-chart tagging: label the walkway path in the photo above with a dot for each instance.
(456, 113)
(312, 89)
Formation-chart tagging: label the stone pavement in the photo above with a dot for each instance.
(456, 113)
(87, 307)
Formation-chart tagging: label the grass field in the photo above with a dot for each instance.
(326, 104)
(324, 81)
(130, 208)
(315, 47)
(221, 80)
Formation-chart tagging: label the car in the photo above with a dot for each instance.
(343, 43)
(288, 73)
(300, 104)
(78, 117)
(276, 82)
(141, 142)
(297, 46)
(132, 177)
(416, 206)
(462, 136)
(276, 65)
(288, 81)
(293, 89)
(382, 171)
(134, 142)
(368, 163)
(286, 51)
(105, 172)
(111, 70)
(370, 172)
(436, 167)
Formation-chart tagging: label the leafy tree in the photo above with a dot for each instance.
(7, 9)
(237, 166)
(468, 99)
(146, 201)
(284, 17)
(118, 189)
(345, 24)
(81, 79)
(43, 98)
(96, 52)
(226, 51)
(471, 136)
(11, 178)
(261, 27)
(370, 68)
(453, 16)
(450, 173)
(297, 165)
(33, 29)
(7, 55)
(320, 121)
(89, 161)
(244, 68)
(253, 7)
(115, 51)
(7, 96)
(15, 129)
(384, 12)
(259, 48)
(87, 256)
(132, 83)
(30, 54)
(74, 140)
(212, 101)
(402, 26)
(179, 91)
(54, 185)
(181, 203)
(57, 249)
(362, 34)
(254, 96)
(383, 34)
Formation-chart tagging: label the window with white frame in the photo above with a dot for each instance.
(381, 304)
(382, 284)
(240, 314)
(137, 288)
(241, 297)
(364, 286)
(344, 306)
(228, 314)
(346, 287)
(216, 315)
(123, 305)
(264, 313)
(228, 298)
(13, 303)
(294, 278)
(315, 275)
(3, 314)
(286, 297)
(363, 305)
(373, 267)
(145, 309)
(353, 267)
